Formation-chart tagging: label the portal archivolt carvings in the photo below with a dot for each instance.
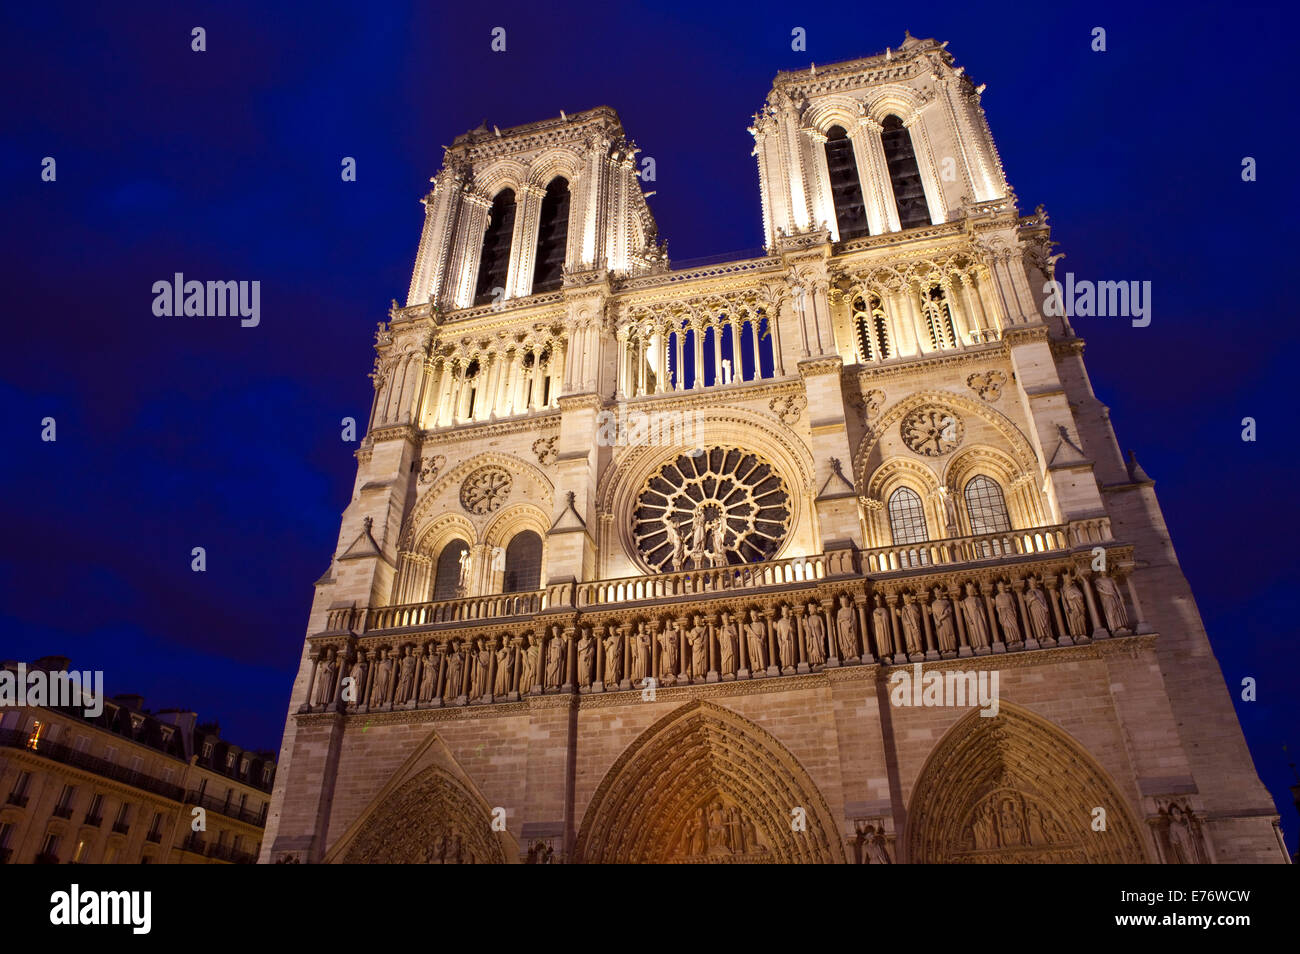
(1014, 789)
(430, 819)
(704, 784)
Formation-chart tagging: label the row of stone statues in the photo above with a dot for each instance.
(976, 618)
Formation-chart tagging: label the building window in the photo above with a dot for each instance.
(38, 727)
(94, 814)
(552, 237)
(986, 506)
(266, 775)
(446, 579)
(938, 318)
(872, 328)
(207, 750)
(19, 794)
(79, 854)
(63, 808)
(904, 174)
(523, 563)
(49, 849)
(494, 261)
(846, 188)
(907, 517)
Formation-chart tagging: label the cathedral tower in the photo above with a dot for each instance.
(641, 563)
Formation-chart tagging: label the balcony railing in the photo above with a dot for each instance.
(16, 799)
(69, 756)
(93, 820)
(121, 828)
(62, 811)
(498, 606)
(987, 546)
(229, 810)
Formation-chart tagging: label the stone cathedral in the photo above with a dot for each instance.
(640, 562)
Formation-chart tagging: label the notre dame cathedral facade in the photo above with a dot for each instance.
(651, 565)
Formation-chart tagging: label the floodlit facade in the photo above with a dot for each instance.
(638, 559)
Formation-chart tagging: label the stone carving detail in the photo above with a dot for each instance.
(430, 466)
(329, 668)
(431, 819)
(932, 430)
(788, 408)
(485, 490)
(1180, 834)
(1112, 604)
(723, 506)
(544, 448)
(868, 403)
(1006, 819)
(718, 828)
(873, 845)
(987, 385)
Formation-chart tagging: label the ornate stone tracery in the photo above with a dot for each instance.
(720, 506)
(932, 430)
(485, 490)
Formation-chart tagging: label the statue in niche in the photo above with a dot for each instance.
(984, 828)
(675, 543)
(749, 835)
(814, 648)
(383, 680)
(462, 581)
(1182, 844)
(717, 537)
(814, 625)
(1076, 618)
(429, 675)
(1009, 823)
(1112, 603)
(668, 654)
(528, 658)
(944, 624)
(360, 668)
(505, 669)
(325, 678)
(641, 653)
(880, 624)
(697, 838)
(727, 646)
(613, 657)
(454, 849)
(405, 677)
(912, 624)
(757, 639)
(735, 838)
(1005, 605)
(951, 527)
(555, 659)
(977, 626)
(586, 656)
(846, 626)
(1040, 614)
(877, 848)
(698, 528)
(785, 639)
(455, 666)
(1037, 830)
(482, 668)
(698, 637)
(439, 852)
(717, 829)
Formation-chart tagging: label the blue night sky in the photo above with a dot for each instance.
(183, 432)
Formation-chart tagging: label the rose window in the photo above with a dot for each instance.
(718, 507)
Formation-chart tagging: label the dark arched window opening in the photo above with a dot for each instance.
(446, 579)
(986, 506)
(523, 563)
(552, 237)
(873, 336)
(846, 188)
(907, 525)
(494, 262)
(938, 318)
(904, 174)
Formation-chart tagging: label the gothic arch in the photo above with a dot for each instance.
(1016, 444)
(1017, 789)
(433, 537)
(896, 99)
(841, 110)
(427, 807)
(503, 174)
(663, 787)
(442, 493)
(554, 162)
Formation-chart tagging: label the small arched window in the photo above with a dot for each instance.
(446, 578)
(846, 188)
(938, 318)
(904, 174)
(552, 237)
(872, 328)
(494, 261)
(907, 517)
(986, 506)
(523, 563)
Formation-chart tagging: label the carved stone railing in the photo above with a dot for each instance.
(987, 546)
(749, 576)
(498, 606)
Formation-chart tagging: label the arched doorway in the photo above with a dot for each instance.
(705, 785)
(430, 819)
(1016, 789)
